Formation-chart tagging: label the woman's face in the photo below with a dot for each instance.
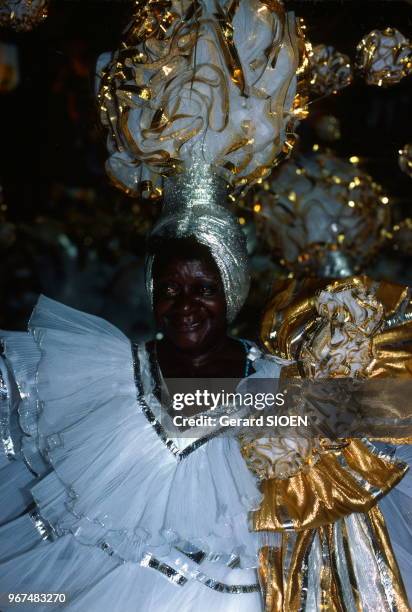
(189, 303)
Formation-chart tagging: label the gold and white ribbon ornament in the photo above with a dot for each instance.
(330, 70)
(23, 15)
(384, 57)
(219, 81)
(320, 502)
(321, 215)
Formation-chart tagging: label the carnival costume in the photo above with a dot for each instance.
(101, 503)
(341, 508)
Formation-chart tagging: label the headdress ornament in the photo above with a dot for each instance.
(323, 215)
(200, 102)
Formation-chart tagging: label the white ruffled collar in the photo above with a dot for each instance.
(149, 383)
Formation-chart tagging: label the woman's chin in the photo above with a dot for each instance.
(191, 342)
(196, 340)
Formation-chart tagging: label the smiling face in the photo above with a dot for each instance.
(189, 301)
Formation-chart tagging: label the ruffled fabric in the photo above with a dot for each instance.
(105, 482)
(397, 510)
(94, 581)
(105, 475)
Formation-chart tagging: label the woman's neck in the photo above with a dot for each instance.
(225, 359)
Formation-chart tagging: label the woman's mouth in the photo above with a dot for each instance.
(187, 326)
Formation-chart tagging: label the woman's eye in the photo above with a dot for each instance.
(168, 290)
(207, 290)
(171, 290)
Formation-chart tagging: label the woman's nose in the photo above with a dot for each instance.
(185, 302)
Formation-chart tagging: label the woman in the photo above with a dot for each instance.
(117, 513)
(190, 310)
(103, 505)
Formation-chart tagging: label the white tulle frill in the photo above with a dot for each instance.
(103, 474)
(94, 581)
(86, 467)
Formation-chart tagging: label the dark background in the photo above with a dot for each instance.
(68, 233)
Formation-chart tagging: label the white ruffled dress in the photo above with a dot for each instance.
(123, 519)
(99, 504)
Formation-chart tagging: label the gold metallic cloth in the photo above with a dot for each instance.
(343, 481)
(312, 512)
(284, 569)
(291, 313)
(332, 550)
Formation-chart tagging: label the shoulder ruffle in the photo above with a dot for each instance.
(104, 475)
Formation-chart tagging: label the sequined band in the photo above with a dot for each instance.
(171, 574)
(198, 556)
(157, 426)
(195, 445)
(179, 577)
(189, 550)
(234, 589)
(6, 438)
(154, 369)
(144, 406)
(45, 530)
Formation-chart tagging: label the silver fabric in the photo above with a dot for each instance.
(6, 438)
(145, 407)
(171, 574)
(343, 567)
(44, 529)
(398, 319)
(373, 580)
(305, 568)
(311, 598)
(186, 572)
(143, 390)
(180, 454)
(194, 207)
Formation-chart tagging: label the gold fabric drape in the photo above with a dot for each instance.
(340, 483)
(326, 517)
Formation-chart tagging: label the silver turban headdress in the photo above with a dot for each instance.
(192, 209)
(202, 94)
